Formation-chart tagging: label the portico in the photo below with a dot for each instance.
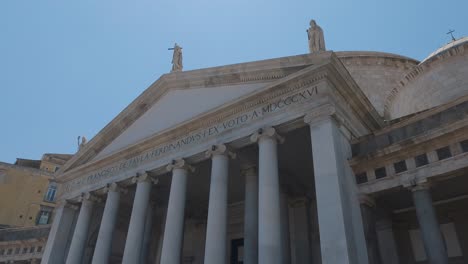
(190, 172)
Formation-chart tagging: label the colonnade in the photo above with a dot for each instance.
(340, 223)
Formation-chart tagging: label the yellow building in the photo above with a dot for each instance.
(27, 190)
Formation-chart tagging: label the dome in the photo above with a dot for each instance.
(440, 78)
(446, 47)
(376, 73)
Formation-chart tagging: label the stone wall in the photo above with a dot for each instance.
(376, 73)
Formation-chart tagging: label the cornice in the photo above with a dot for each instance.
(407, 147)
(374, 54)
(361, 106)
(5, 166)
(383, 60)
(421, 115)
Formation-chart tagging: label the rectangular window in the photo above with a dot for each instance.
(380, 172)
(43, 218)
(361, 178)
(31, 250)
(39, 249)
(10, 251)
(51, 191)
(400, 166)
(421, 160)
(464, 145)
(444, 153)
(25, 250)
(2, 251)
(17, 250)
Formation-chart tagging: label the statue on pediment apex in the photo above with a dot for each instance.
(316, 38)
(176, 58)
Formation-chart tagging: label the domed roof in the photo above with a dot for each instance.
(446, 47)
(438, 79)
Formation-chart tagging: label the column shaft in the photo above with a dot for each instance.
(137, 223)
(285, 238)
(147, 235)
(430, 231)
(251, 217)
(106, 230)
(54, 252)
(386, 241)
(370, 232)
(216, 234)
(340, 222)
(174, 229)
(269, 232)
(77, 246)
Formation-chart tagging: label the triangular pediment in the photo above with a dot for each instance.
(184, 94)
(174, 108)
(179, 99)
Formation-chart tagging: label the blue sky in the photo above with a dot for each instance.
(67, 68)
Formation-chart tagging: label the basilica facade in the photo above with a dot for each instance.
(328, 157)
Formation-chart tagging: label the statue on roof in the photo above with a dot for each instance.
(176, 58)
(83, 142)
(316, 39)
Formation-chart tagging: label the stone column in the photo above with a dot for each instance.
(106, 230)
(147, 234)
(54, 252)
(216, 233)
(370, 232)
(300, 231)
(430, 231)
(285, 239)
(340, 222)
(460, 218)
(251, 215)
(269, 216)
(387, 243)
(174, 228)
(137, 220)
(77, 246)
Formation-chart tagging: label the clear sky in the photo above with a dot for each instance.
(67, 68)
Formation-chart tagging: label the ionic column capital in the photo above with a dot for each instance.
(319, 114)
(415, 184)
(367, 200)
(267, 132)
(88, 197)
(220, 149)
(420, 187)
(68, 204)
(180, 164)
(115, 187)
(249, 170)
(144, 177)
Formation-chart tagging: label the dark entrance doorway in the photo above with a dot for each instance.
(237, 251)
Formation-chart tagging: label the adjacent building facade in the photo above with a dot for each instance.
(328, 157)
(27, 201)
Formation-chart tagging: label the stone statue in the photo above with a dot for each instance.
(83, 141)
(177, 58)
(316, 39)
